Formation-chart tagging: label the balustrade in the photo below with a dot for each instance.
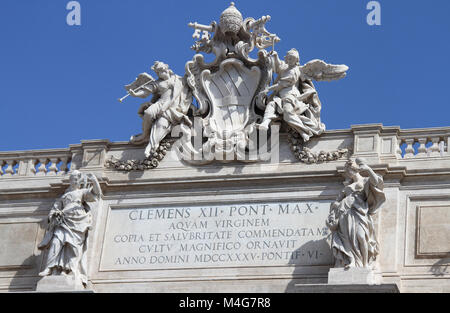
(26, 164)
(422, 145)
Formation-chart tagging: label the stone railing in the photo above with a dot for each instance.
(375, 142)
(35, 163)
(423, 143)
(392, 144)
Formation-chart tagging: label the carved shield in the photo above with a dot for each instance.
(231, 90)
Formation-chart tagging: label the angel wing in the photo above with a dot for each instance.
(141, 80)
(319, 70)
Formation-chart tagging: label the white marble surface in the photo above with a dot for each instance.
(353, 276)
(216, 235)
(410, 183)
(60, 284)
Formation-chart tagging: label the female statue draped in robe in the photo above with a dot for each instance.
(354, 243)
(69, 222)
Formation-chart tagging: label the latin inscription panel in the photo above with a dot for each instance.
(231, 235)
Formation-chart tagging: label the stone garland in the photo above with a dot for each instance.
(141, 165)
(305, 154)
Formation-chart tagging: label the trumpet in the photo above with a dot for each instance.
(136, 89)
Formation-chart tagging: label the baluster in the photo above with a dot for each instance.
(70, 165)
(434, 149)
(2, 163)
(399, 151)
(409, 151)
(63, 169)
(32, 166)
(442, 147)
(22, 168)
(447, 145)
(9, 171)
(422, 151)
(42, 170)
(53, 169)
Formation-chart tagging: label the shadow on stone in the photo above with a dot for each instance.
(441, 267)
(26, 278)
(309, 255)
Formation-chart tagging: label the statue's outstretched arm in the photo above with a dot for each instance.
(277, 63)
(142, 87)
(143, 92)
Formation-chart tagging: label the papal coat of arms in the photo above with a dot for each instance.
(231, 98)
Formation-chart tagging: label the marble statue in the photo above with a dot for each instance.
(69, 222)
(234, 95)
(294, 97)
(354, 242)
(168, 107)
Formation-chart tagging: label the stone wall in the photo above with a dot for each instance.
(149, 230)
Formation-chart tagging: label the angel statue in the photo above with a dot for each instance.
(294, 98)
(354, 243)
(168, 107)
(70, 220)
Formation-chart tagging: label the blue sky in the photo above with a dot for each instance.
(59, 84)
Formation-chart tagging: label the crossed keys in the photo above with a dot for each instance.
(263, 39)
(201, 31)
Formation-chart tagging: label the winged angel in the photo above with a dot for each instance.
(226, 90)
(294, 98)
(168, 107)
